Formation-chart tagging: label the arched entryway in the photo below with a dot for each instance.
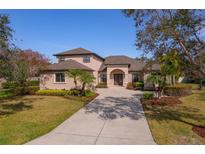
(117, 76)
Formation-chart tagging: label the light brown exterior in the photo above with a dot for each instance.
(113, 65)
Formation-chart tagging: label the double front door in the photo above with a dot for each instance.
(118, 79)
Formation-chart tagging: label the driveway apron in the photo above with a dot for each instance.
(114, 117)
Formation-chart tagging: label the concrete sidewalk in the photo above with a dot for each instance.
(114, 117)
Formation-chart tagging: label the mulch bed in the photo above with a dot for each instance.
(199, 130)
(162, 101)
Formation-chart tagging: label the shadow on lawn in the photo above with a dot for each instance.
(21, 103)
(187, 115)
(110, 108)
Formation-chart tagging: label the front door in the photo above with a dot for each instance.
(118, 79)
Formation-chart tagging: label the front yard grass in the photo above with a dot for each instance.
(5, 93)
(173, 124)
(25, 118)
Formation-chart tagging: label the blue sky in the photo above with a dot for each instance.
(106, 32)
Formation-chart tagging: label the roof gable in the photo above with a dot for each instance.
(66, 65)
(78, 51)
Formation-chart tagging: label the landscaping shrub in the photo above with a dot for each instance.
(178, 90)
(101, 85)
(130, 85)
(9, 85)
(12, 85)
(74, 92)
(88, 93)
(52, 92)
(30, 90)
(32, 83)
(138, 85)
(148, 96)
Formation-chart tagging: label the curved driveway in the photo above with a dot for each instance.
(114, 117)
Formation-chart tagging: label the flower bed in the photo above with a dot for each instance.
(163, 101)
(200, 130)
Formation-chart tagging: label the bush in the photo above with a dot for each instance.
(148, 96)
(88, 93)
(178, 90)
(138, 85)
(30, 90)
(130, 85)
(74, 92)
(101, 85)
(9, 85)
(12, 85)
(32, 83)
(52, 92)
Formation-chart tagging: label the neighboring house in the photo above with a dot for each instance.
(112, 70)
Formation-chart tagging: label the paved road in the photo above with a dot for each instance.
(114, 117)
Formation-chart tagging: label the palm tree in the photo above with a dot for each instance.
(75, 74)
(158, 81)
(86, 78)
(170, 66)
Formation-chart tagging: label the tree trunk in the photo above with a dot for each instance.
(200, 84)
(83, 89)
(75, 82)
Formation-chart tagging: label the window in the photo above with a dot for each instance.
(61, 59)
(60, 77)
(135, 77)
(103, 78)
(86, 59)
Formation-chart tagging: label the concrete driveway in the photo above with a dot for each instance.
(114, 117)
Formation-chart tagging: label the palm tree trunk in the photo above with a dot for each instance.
(83, 89)
(75, 82)
(200, 84)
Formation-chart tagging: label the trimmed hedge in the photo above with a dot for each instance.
(138, 84)
(130, 85)
(52, 92)
(148, 96)
(72, 92)
(178, 90)
(101, 85)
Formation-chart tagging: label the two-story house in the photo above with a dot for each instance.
(112, 70)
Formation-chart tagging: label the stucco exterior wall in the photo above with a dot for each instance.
(94, 64)
(47, 81)
(110, 74)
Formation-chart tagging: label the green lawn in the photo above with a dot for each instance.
(173, 124)
(5, 93)
(25, 118)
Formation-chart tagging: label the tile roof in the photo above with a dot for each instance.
(133, 64)
(66, 65)
(78, 51)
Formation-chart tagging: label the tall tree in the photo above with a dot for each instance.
(5, 32)
(160, 31)
(170, 66)
(6, 64)
(13, 67)
(35, 60)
